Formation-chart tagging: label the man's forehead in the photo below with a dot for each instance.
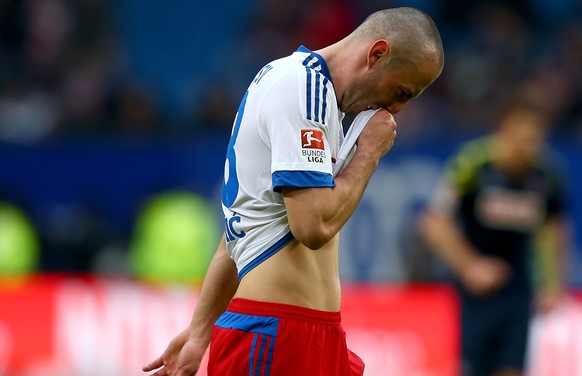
(423, 76)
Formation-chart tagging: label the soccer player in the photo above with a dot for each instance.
(283, 207)
(496, 195)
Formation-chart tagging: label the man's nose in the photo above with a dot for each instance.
(396, 107)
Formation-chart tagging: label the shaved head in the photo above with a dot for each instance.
(412, 34)
(391, 58)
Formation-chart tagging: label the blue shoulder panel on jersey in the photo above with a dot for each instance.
(317, 78)
(320, 61)
(301, 179)
(248, 323)
(266, 254)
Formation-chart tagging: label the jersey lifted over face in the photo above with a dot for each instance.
(287, 133)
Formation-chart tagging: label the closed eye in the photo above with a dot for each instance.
(405, 95)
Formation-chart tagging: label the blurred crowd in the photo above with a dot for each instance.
(66, 68)
(60, 74)
(70, 69)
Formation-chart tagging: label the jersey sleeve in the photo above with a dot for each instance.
(461, 171)
(459, 178)
(293, 117)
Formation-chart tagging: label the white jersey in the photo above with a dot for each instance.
(287, 133)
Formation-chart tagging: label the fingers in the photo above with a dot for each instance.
(153, 365)
(186, 371)
(380, 131)
(188, 364)
(161, 372)
(384, 116)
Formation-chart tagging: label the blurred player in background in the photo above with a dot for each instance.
(284, 208)
(497, 194)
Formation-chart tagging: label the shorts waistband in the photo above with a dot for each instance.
(257, 308)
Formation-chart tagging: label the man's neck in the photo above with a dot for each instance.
(344, 59)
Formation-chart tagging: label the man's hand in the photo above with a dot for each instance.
(181, 358)
(378, 135)
(485, 275)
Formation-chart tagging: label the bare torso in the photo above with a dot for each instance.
(297, 275)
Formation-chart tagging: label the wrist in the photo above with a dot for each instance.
(368, 156)
(363, 164)
(200, 329)
(201, 335)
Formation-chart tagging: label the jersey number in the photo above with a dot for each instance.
(230, 183)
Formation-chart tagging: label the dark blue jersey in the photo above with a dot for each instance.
(500, 212)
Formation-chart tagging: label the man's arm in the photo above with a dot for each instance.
(481, 275)
(317, 214)
(184, 353)
(219, 286)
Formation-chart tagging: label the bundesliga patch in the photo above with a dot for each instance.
(311, 139)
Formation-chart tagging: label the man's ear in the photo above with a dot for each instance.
(379, 50)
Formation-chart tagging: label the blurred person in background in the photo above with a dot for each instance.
(173, 226)
(19, 243)
(284, 208)
(497, 194)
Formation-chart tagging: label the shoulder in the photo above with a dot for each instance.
(463, 168)
(476, 151)
(552, 164)
(298, 71)
(295, 84)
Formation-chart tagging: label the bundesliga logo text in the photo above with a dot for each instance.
(316, 156)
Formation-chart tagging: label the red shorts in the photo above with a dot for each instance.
(261, 339)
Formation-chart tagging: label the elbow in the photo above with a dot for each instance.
(313, 237)
(315, 243)
(427, 223)
(434, 226)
